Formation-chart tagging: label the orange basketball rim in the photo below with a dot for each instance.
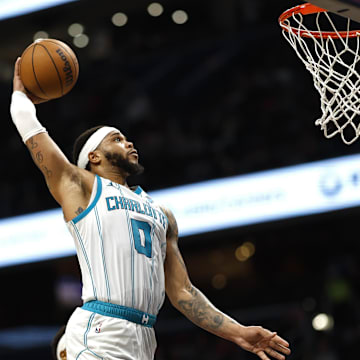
(308, 9)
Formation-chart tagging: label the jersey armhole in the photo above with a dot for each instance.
(93, 202)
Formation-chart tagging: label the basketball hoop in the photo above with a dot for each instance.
(332, 57)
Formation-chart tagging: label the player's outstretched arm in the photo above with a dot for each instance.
(59, 173)
(197, 308)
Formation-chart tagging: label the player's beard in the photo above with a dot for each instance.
(116, 159)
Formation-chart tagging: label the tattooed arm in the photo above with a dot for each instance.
(49, 159)
(196, 307)
(69, 185)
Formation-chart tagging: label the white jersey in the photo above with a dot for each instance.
(121, 243)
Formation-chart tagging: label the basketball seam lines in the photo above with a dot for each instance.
(57, 71)
(64, 49)
(32, 63)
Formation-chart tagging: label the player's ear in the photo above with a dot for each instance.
(94, 157)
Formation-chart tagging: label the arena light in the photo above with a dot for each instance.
(323, 322)
(180, 17)
(245, 251)
(81, 41)
(40, 35)
(11, 8)
(155, 9)
(75, 29)
(219, 281)
(119, 19)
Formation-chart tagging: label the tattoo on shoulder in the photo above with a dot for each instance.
(79, 210)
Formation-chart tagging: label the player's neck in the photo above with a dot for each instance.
(114, 176)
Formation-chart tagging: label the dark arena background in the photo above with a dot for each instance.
(206, 90)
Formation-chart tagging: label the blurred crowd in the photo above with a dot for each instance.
(228, 100)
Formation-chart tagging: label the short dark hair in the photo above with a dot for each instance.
(55, 341)
(80, 142)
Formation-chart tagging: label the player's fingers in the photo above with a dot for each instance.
(281, 348)
(274, 354)
(17, 67)
(262, 355)
(280, 341)
(270, 336)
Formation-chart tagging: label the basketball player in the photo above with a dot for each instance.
(127, 247)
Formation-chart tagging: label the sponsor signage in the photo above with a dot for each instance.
(305, 189)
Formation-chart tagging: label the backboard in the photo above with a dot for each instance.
(346, 8)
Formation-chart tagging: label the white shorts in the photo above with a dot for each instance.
(93, 336)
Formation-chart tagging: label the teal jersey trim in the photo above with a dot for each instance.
(91, 206)
(120, 312)
(138, 190)
(88, 328)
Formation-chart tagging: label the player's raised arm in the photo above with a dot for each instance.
(59, 173)
(197, 308)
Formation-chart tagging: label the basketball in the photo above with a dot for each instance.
(49, 68)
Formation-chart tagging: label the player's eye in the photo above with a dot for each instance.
(117, 139)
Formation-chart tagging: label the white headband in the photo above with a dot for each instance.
(61, 346)
(92, 143)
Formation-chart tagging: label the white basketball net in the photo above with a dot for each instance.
(332, 63)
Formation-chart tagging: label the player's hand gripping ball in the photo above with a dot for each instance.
(49, 68)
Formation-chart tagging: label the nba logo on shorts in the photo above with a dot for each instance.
(98, 328)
